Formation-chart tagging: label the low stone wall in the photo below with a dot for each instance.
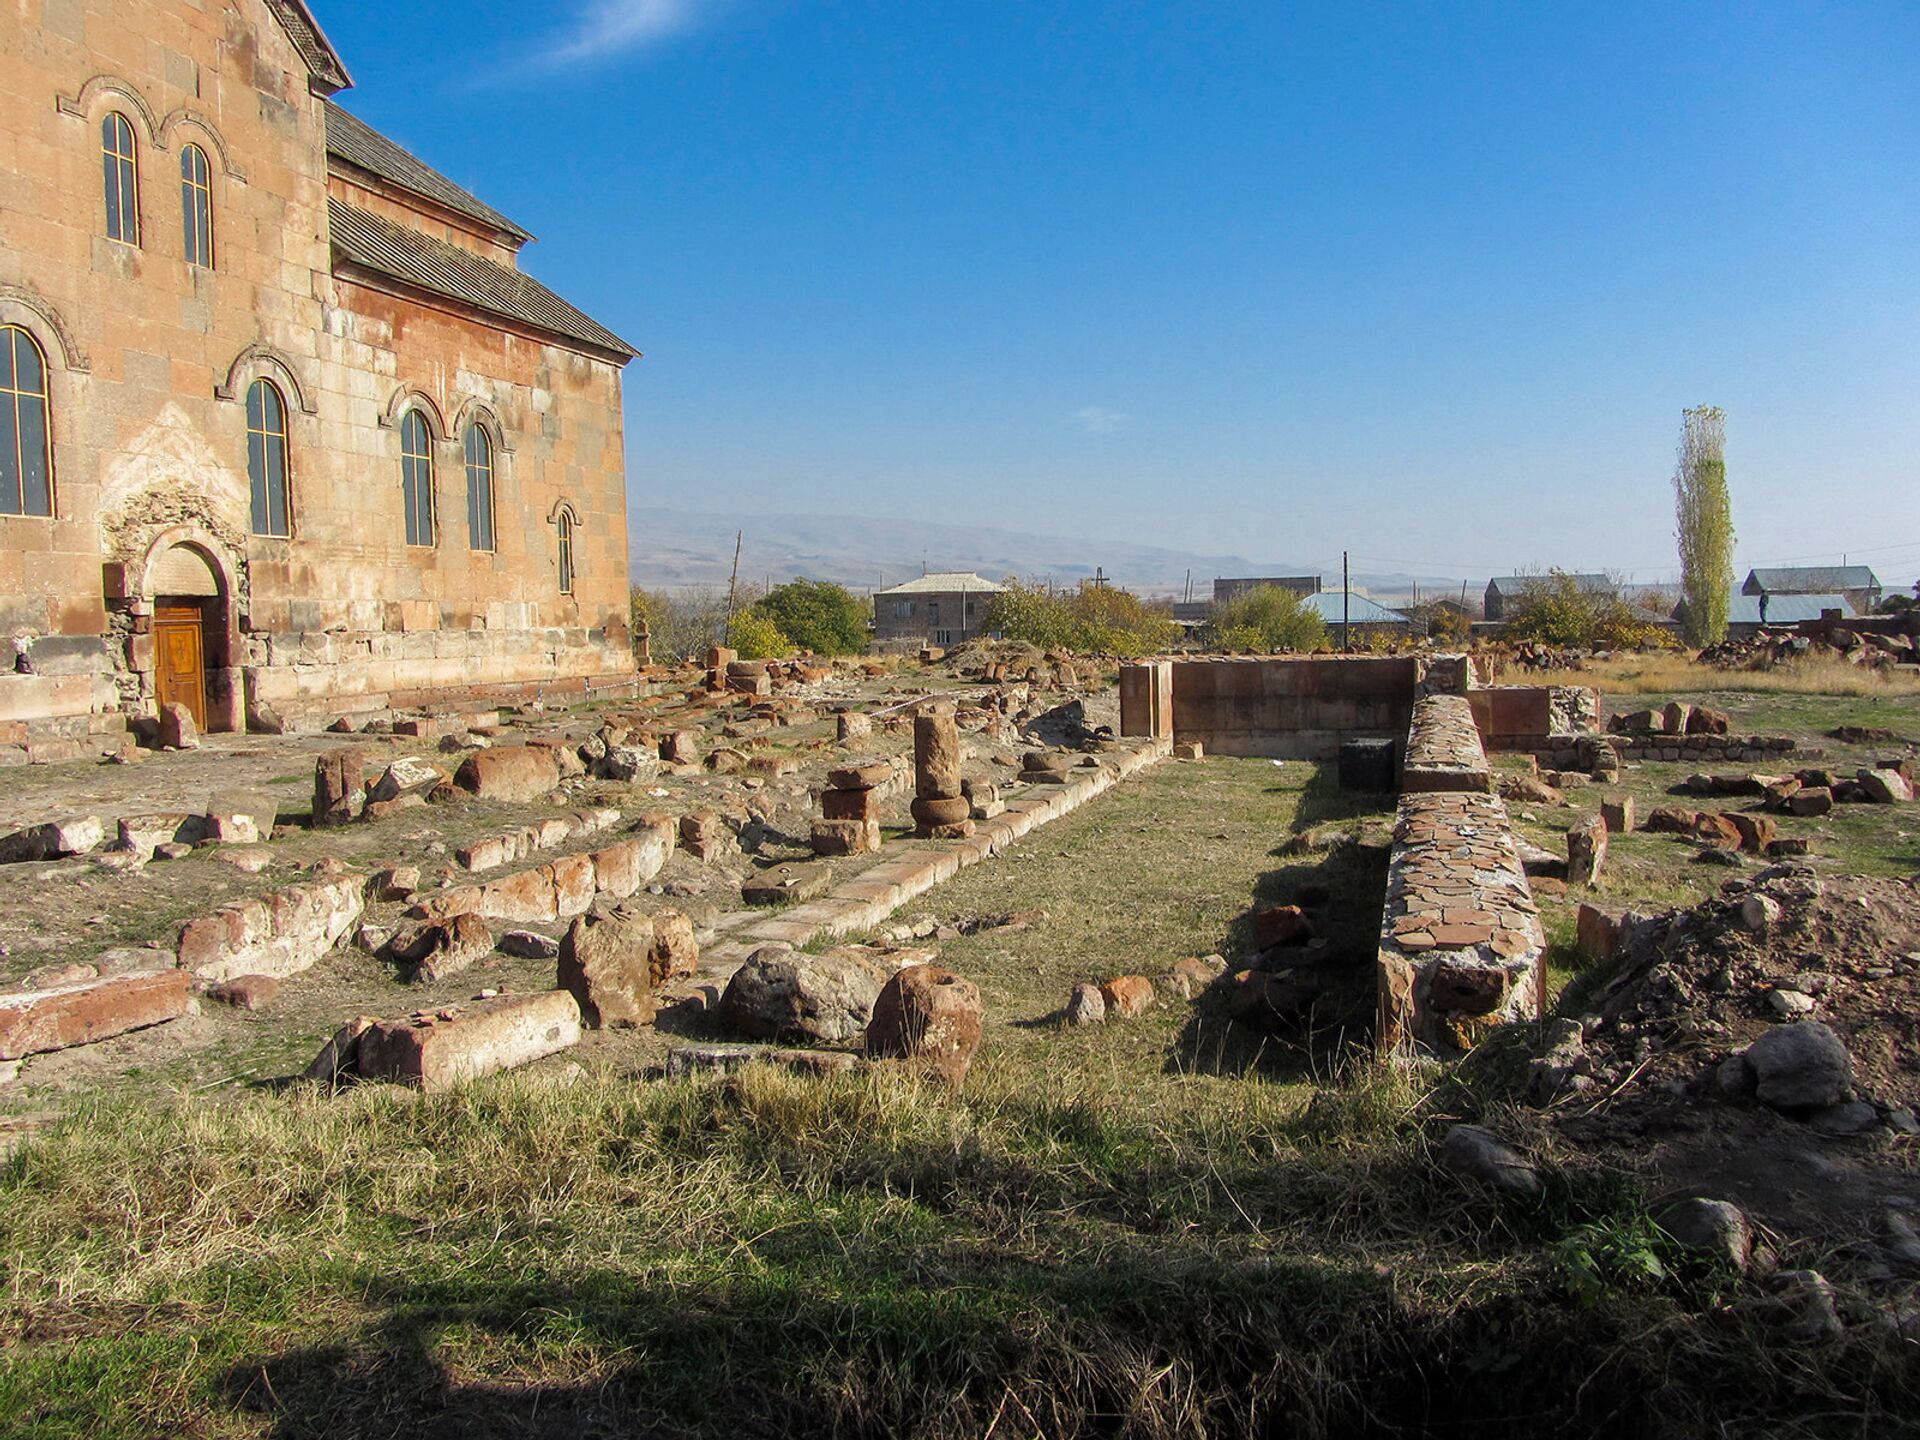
(278, 934)
(1443, 751)
(1461, 945)
(1701, 747)
(1292, 707)
(567, 886)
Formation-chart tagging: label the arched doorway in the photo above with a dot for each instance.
(186, 616)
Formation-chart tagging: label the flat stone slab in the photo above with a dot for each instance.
(35, 1021)
(434, 1050)
(787, 884)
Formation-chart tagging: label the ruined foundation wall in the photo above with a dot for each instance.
(1294, 708)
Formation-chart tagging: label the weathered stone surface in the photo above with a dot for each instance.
(946, 810)
(1193, 975)
(1596, 933)
(1885, 787)
(936, 756)
(149, 832)
(1443, 748)
(1618, 815)
(1587, 851)
(510, 773)
(276, 935)
(929, 1017)
(241, 817)
(529, 945)
(1086, 1005)
(1811, 802)
(605, 964)
(1271, 1002)
(850, 804)
(1127, 995)
(339, 787)
(34, 1021)
(1802, 1066)
(438, 1051)
(783, 994)
(574, 882)
(245, 992)
(1479, 1155)
(339, 1057)
(784, 884)
(54, 839)
(845, 837)
(854, 726)
(177, 730)
(862, 775)
(439, 948)
(1281, 925)
(706, 836)
(675, 951)
(628, 763)
(409, 775)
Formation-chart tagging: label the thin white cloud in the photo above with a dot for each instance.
(1097, 420)
(603, 28)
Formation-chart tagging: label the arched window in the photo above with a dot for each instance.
(26, 456)
(479, 489)
(122, 187)
(267, 458)
(196, 205)
(416, 477)
(563, 528)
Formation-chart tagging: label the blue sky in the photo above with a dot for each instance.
(1428, 282)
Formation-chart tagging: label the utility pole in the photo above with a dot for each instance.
(733, 580)
(1346, 605)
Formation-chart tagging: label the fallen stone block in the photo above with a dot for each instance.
(513, 774)
(845, 837)
(276, 935)
(35, 1021)
(439, 948)
(1885, 787)
(54, 840)
(241, 817)
(783, 994)
(1127, 995)
(338, 1058)
(1587, 851)
(787, 884)
(437, 1051)
(177, 728)
(929, 1018)
(604, 964)
(245, 992)
(406, 776)
(339, 786)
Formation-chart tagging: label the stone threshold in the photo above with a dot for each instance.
(866, 901)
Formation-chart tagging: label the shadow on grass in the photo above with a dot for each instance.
(1344, 891)
(1188, 1346)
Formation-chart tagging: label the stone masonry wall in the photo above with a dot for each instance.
(1443, 750)
(1297, 707)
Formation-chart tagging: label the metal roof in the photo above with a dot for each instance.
(414, 259)
(1508, 584)
(942, 582)
(351, 139)
(1810, 580)
(1784, 609)
(1362, 610)
(326, 72)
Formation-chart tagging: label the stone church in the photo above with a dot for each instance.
(285, 432)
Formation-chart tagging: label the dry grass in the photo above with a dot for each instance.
(1669, 673)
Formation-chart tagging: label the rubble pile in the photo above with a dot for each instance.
(1772, 646)
(1789, 991)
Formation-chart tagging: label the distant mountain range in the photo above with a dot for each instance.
(672, 549)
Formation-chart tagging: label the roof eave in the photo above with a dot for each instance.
(321, 82)
(376, 279)
(509, 235)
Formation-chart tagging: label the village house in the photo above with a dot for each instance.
(284, 430)
(1857, 582)
(942, 608)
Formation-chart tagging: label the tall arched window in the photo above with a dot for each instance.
(196, 205)
(26, 456)
(267, 458)
(479, 489)
(416, 477)
(563, 528)
(122, 185)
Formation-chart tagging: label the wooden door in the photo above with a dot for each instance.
(179, 658)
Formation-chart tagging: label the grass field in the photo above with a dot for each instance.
(1134, 1229)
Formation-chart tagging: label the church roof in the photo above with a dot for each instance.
(397, 252)
(351, 139)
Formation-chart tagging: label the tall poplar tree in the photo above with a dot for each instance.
(1703, 524)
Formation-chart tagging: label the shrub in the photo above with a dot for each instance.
(1097, 619)
(758, 638)
(817, 615)
(1554, 610)
(1273, 617)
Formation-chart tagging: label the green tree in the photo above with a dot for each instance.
(1111, 621)
(1704, 524)
(758, 638)
(1030, 614)
(1272, 617)
(817, 615)
(1554, 610)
